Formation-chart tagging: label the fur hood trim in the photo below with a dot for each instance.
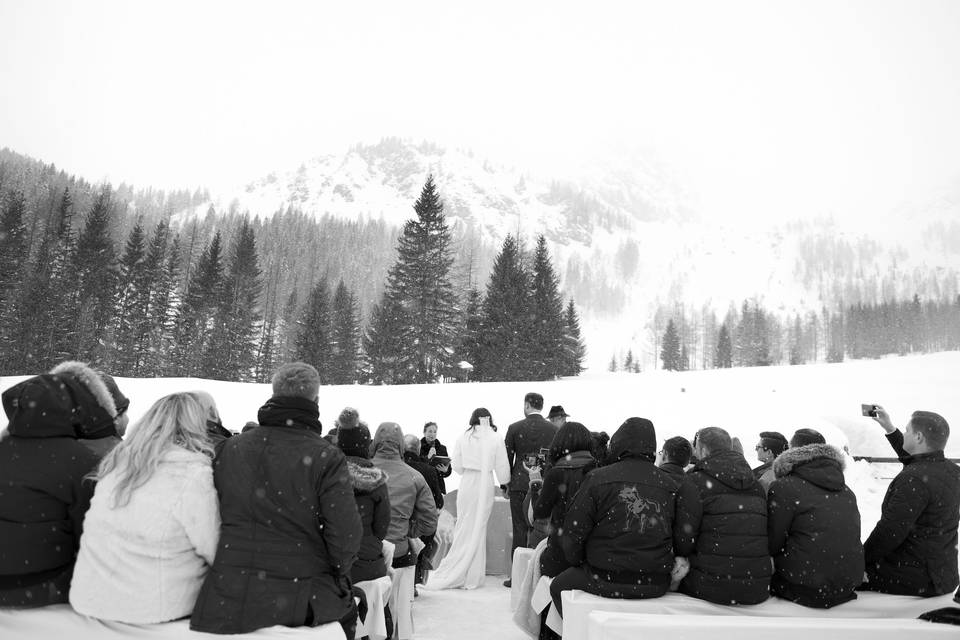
(91, 380)
(790, 459)
(366, 478)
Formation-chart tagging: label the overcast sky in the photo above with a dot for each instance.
(766, 108)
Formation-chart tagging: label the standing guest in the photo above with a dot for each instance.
(372, 498)
(813, 525)
(524, 440)
(435, 452)
(731, 563)
(477, 454)
(599, 448)
(155, 515)
(411, 445)
(771, 444)
(557, 415)
(44, 496)
(569, 461)
(625, 523)
(676, 455)
(913, 548)
(290, 529)
(413, 512)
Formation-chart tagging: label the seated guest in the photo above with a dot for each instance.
(731, 564)
(913, 548)
(372, 498)
(813, 525)
(431, 448)
(217, 433)
(413, 511)
(44, 495)
(771, 445)
(154, 516)
(599, 448)
(676, 455)
(568, 462)
(290, 529)
(620, 533)
(103, 429)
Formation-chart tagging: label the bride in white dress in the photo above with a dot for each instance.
(477, 453)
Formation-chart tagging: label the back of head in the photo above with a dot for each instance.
(803, 437)
(535, 400)
(178, 420)
(572, 436)
(773, 441)
(355, 442)
(349, 418)
(677, 450)
(934, 428)
(296, 380)
(411, 443)
(636, 438)
(481, 412)
(40, 407)
(713, 440)
(96, 410)
(388, 441)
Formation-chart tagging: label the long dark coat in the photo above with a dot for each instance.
(290, 528)
(373, 504)
(441, 450)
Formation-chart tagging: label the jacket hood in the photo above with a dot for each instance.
(636, 438)
(575, 460)
(728, 468)
(820, 464)
(101, 412)
(388, 441)
(365, 479)
(57, 405)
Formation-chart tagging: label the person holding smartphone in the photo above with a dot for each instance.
(477, 455)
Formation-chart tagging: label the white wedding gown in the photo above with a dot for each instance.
(477, 453)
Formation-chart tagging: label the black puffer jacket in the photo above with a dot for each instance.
(732, 561)
(373, 504)
(627, 519)
(814, 528)
(43, 497)
(290, 529)
(913, 549)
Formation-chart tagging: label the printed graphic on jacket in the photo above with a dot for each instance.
(640, 510)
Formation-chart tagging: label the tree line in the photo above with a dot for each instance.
(168, 303)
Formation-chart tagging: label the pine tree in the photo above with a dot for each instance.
(612, 367)
(55, 293)
(162, 267)
(796, 340)
(196, 315)
(506, 319)
(95, 264)
(574, 351)
(231, 352)
(420, 282)
(469, 346)
(628, 361)
(345, 337)
(13, 254)
(384, 353)
(548, 320)
(724, 357)
(313, 344)
(670, 351)
(133, 300)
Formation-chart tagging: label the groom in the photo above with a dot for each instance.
(524, 438)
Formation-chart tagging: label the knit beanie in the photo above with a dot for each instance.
(348, 419)
(354, 441)
(803, 437)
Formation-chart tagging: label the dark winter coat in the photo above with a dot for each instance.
(673, 469)
(814, 528)
(373, 504)
(731, 564)
(625, 522)
(913, 548)
(762, 469)
(440, 450)
(429, 473)
(290, 529)
(551, 499)
(526, 437)
(43, 496)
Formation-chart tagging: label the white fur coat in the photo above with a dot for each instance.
(145, 562)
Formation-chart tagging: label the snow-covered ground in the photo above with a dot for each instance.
(826, 397)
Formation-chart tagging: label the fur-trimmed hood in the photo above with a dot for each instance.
(92, 381)
(821, 464)
(365, 478)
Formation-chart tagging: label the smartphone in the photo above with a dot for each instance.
(869, 410)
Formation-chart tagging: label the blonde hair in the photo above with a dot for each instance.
(176, 420)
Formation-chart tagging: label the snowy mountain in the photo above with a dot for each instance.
(626, 237)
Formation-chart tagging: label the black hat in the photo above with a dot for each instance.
(557, 411)
(804, 437)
